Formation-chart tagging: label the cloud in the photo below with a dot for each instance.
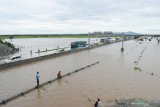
(78, 16)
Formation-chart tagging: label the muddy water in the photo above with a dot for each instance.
(113, 78)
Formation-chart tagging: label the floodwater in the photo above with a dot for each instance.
(29, 46)
(42, 44)
(113, 78)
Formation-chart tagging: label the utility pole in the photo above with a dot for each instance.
(122, 49)
(88, 39)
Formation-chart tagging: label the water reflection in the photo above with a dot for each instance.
(59, 81)
(39, 93)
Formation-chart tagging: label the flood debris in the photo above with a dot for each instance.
(134, 103)
(3, 101)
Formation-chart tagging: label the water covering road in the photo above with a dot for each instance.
(29, 46)
(115, 77)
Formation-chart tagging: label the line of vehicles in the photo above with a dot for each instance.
(81, 44)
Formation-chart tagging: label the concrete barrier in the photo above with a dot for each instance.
(5, 101)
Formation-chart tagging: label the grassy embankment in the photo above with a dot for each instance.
(50, 36)
(7, 44)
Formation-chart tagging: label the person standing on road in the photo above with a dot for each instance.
(59, 76)
(37, 78)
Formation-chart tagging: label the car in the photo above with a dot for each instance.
(13, 59)
(61, 50)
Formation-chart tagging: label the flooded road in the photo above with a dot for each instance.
(113, 78)
(29, 47)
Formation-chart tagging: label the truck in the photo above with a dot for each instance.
(78, 44)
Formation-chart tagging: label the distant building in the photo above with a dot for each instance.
(108, 33)
(105, 33)
(97, 33)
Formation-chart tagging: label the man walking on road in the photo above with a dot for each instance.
(37, 78)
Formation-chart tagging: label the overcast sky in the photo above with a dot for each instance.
(79, 16)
